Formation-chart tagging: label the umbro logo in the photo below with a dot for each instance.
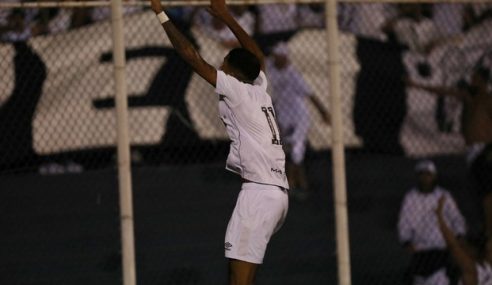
(227, 246)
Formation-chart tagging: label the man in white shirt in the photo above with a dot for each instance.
(290, 94)
(418, 227)
(256, 152)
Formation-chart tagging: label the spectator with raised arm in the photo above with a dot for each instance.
(476, 130)
(419, 230)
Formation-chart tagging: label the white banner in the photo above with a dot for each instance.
(80, 71)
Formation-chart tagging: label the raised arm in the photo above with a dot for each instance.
(219, 9)
(184, 47)
(461, 257)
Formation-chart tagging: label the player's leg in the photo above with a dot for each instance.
(260, 211)
(241, 272)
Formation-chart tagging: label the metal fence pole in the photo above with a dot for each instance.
(340, 195)
(124, 171)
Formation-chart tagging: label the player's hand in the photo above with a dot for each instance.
(218, 8)
(156, 6)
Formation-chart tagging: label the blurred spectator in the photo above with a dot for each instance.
(475, 14)
(311, 15)
(290, 91)
(380, 95)
(104, 13)
(423, 27)
(219, 31)
(415, 28)
(449, 22)
(275, 23)
(419, 230)
(52, 21)
(17, 27)
(276, 18)
(475, 263)
(448, 18)
(25, 23)
(57, 20)
(476, 130)
(4, 16)
(368, 20)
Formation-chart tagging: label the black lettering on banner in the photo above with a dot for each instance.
(272, 124)
(167, 88)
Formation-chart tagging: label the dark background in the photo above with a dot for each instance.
(64, 229)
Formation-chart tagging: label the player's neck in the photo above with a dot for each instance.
(242, 79)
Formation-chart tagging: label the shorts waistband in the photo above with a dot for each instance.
(259, 186)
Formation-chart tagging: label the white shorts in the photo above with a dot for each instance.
(260, 212)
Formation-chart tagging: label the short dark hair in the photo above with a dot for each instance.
(245, 62)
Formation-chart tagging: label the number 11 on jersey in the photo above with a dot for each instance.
(270, 117)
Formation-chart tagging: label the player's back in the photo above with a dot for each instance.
(256, 148)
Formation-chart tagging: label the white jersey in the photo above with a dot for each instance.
(256, 148)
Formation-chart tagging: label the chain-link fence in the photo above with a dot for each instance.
(414, 84)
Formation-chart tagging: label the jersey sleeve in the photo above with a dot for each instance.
(261, 80)
(229, 87)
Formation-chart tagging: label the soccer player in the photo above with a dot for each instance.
(256, 148)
